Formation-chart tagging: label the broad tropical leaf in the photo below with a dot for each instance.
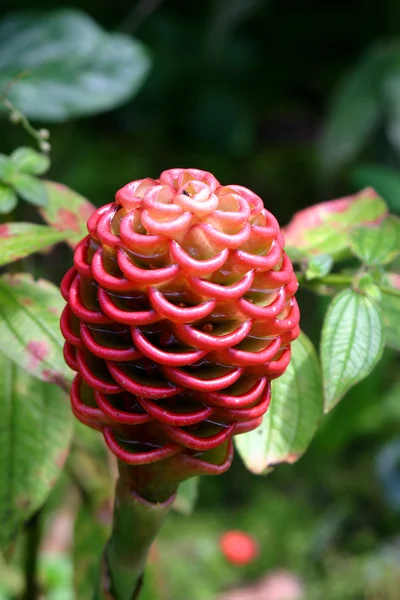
(35, 432)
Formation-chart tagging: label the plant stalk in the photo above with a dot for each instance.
(135, 525)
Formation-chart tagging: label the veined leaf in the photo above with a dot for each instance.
(377, 245)
(291, 420)
(325, 228)
(67, 211)
(351, 344)
(35, 432)
(18, 240)
(29, 327)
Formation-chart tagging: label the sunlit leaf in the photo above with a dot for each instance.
(18, 240)
(292, 418)
(35, 432)
(324, 228)
(67, 211)
(71, 67)
(351, 344)
(29, 327)
(377, 245)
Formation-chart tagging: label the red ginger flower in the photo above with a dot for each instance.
(180, 311)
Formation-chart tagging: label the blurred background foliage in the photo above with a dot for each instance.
(300, 101)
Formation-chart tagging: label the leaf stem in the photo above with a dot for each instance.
(32, 543)
(340, 279)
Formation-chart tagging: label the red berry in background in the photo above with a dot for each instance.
(239, 547)
(180, 311)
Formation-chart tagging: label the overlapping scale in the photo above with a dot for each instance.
(180, 311)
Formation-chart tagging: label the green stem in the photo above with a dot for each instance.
(339, 279)
(32, 543)
(136, 524)
(390, 290)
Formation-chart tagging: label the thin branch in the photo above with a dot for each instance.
(16, 116)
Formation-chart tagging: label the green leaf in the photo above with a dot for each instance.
(351, 344)
(391, 313)
(384, 180)
(391, 320)
(7, 168)
(325, 228)
(318, 266)
(18, 240)
(354, 114)
(293, 416)
(29, 327)
(30, 189)
(35, 432)
(29, 161)
(367, 285)
(8, 200)
(187, 496)
(67, 211)
(74, 67)
(377, 245)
